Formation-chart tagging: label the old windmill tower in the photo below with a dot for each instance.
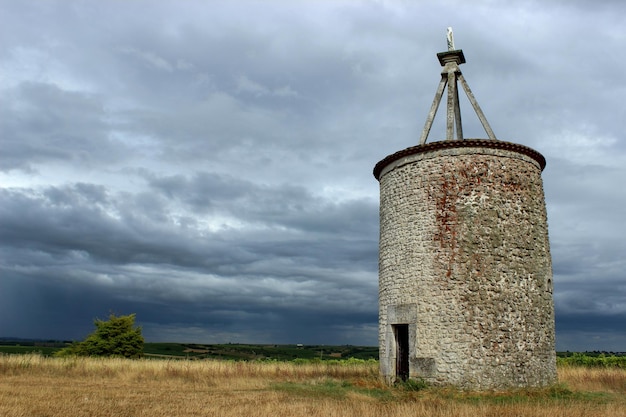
(465, 274)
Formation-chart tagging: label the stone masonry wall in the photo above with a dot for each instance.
(465, 261)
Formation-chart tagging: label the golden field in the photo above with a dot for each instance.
(38, 386)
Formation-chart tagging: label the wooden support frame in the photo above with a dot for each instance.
(450, 76)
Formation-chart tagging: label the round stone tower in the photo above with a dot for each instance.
(465, 274)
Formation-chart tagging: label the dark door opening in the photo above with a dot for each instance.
(401, 332)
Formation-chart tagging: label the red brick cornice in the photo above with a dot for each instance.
(465, 143)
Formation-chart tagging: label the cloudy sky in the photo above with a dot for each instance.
(208, 165)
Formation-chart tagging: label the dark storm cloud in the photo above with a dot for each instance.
(82, 243)
(209, 167)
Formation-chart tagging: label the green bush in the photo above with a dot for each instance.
(114, 337)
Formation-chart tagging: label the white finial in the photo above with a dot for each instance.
(450, 37)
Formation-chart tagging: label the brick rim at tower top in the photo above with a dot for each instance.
(465, 143)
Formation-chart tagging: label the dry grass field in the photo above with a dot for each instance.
(37, 386)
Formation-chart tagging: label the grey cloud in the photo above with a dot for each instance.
(42, 122)
(283, 205)
(65, 220)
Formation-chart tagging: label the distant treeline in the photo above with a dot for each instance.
(33, 342)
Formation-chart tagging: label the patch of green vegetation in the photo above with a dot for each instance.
(561, 392)
(330, 388)
(412, 384)
(324, 389)
(591, 360)
(554, 394)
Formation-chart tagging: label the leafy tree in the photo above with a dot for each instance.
(114, 337)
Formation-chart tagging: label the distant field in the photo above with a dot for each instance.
(219, 351)
(252, 352)
(35, 385)
(18, 349)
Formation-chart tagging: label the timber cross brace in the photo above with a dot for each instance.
(450, 75)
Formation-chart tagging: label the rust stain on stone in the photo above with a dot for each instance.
(445, 196)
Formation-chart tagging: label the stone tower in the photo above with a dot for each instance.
(465, 274)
